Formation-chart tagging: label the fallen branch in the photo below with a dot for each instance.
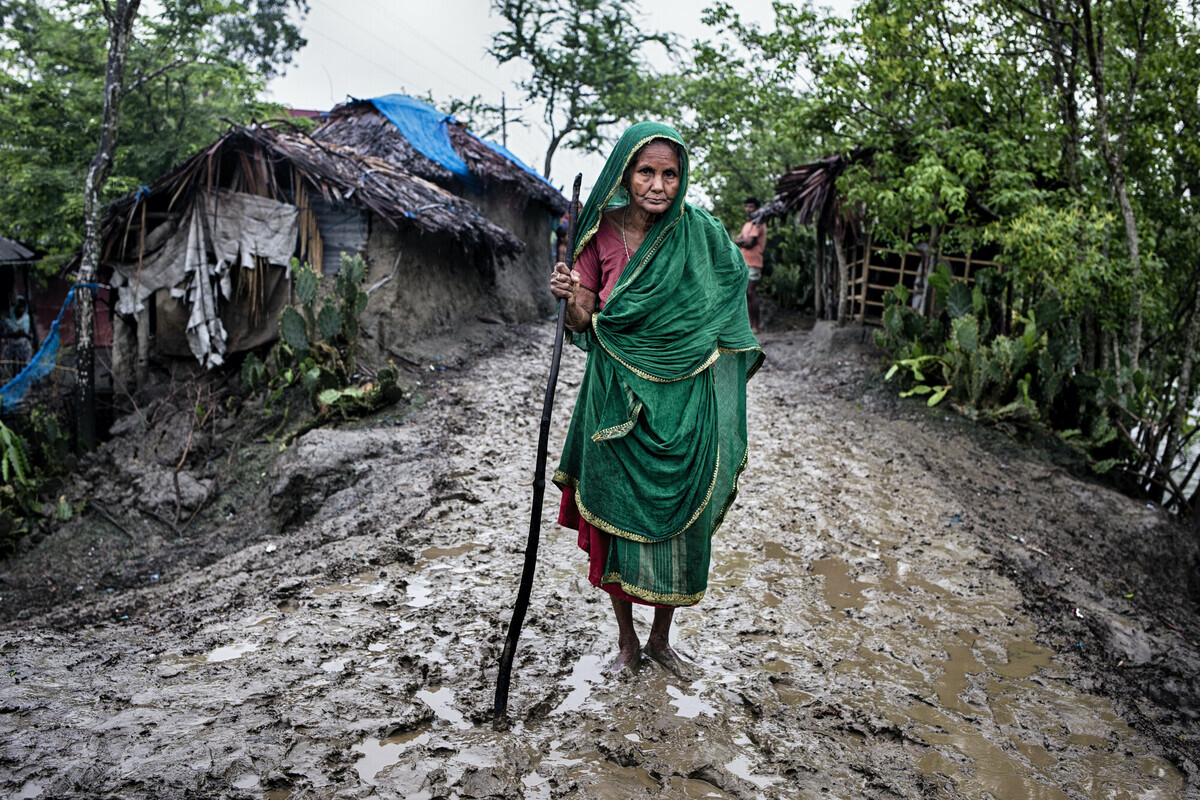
(389, 277)
(1167, 482)
(1172, 626)
(174, 528)
(99, 509)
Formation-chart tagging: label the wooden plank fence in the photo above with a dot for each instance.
(874, 269)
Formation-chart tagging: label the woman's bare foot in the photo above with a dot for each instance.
(662, 654)
(629, 658)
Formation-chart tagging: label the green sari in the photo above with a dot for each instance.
(658, 436)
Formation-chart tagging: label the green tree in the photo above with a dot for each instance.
(736, 105)
(1067, 131)
(191, 68)
(587, 64)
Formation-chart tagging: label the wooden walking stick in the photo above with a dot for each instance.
(500, 708)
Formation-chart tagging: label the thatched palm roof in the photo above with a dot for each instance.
(276, 163)
(359, 125)
(810, 192)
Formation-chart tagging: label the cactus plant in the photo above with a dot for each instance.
(294, 332)
(329, 322)
(316, 349)
(307, 282)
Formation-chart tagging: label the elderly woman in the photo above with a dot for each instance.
(658, 437)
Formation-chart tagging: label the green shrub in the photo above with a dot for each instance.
(29, 464)
(790, 255)
(962, 356)
(316, 349)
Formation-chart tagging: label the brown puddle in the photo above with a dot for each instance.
(953, 683)
(841, 591)
(1024, 659)
(615, 782)
(430, 553)
(990, 771)
(776, 551)
(362, 582)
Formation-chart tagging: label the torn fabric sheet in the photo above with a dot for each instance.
(245, 226)
(205, 333)
(194, 260)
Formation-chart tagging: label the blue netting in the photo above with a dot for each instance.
(427, 130)
(41, 364)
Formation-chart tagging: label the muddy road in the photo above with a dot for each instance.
(899, 607)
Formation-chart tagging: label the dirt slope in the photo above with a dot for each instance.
(900, 606)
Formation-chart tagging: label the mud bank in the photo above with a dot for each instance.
(898, 607)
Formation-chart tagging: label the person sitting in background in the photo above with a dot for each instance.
(18, 341)
(752, 241)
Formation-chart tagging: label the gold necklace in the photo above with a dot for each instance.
(624, 218)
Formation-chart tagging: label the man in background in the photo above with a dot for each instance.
(752, 241)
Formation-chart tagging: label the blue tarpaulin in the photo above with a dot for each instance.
(505, 152)
(428, 131)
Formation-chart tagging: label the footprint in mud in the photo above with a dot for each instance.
(587, 672)
(441, 700)
(690, 706)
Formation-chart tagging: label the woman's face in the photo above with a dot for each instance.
(654, 180)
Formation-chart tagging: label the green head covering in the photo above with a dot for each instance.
(658, 435)
(608, 191)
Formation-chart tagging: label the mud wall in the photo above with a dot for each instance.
(436, 287)
(522, 281)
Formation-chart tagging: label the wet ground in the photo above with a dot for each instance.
(899, 607)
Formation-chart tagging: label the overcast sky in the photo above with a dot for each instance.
(367, 48)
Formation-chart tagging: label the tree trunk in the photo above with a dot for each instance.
(1065, 83)
(120, 15)
(1087, 341)
(843, 305)
(831, 283)
(923, 298)
(1183, 401)
(818, 271)
(554, 142)
(1114, 160)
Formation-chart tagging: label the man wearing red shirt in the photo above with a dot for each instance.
(752, 240)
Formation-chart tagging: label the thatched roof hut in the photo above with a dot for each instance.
(284, 165)
(851, 275)
(201, 256)
(11, 251)
(810, 192)
(426, 142)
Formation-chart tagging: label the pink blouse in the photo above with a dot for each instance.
(600, 263)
